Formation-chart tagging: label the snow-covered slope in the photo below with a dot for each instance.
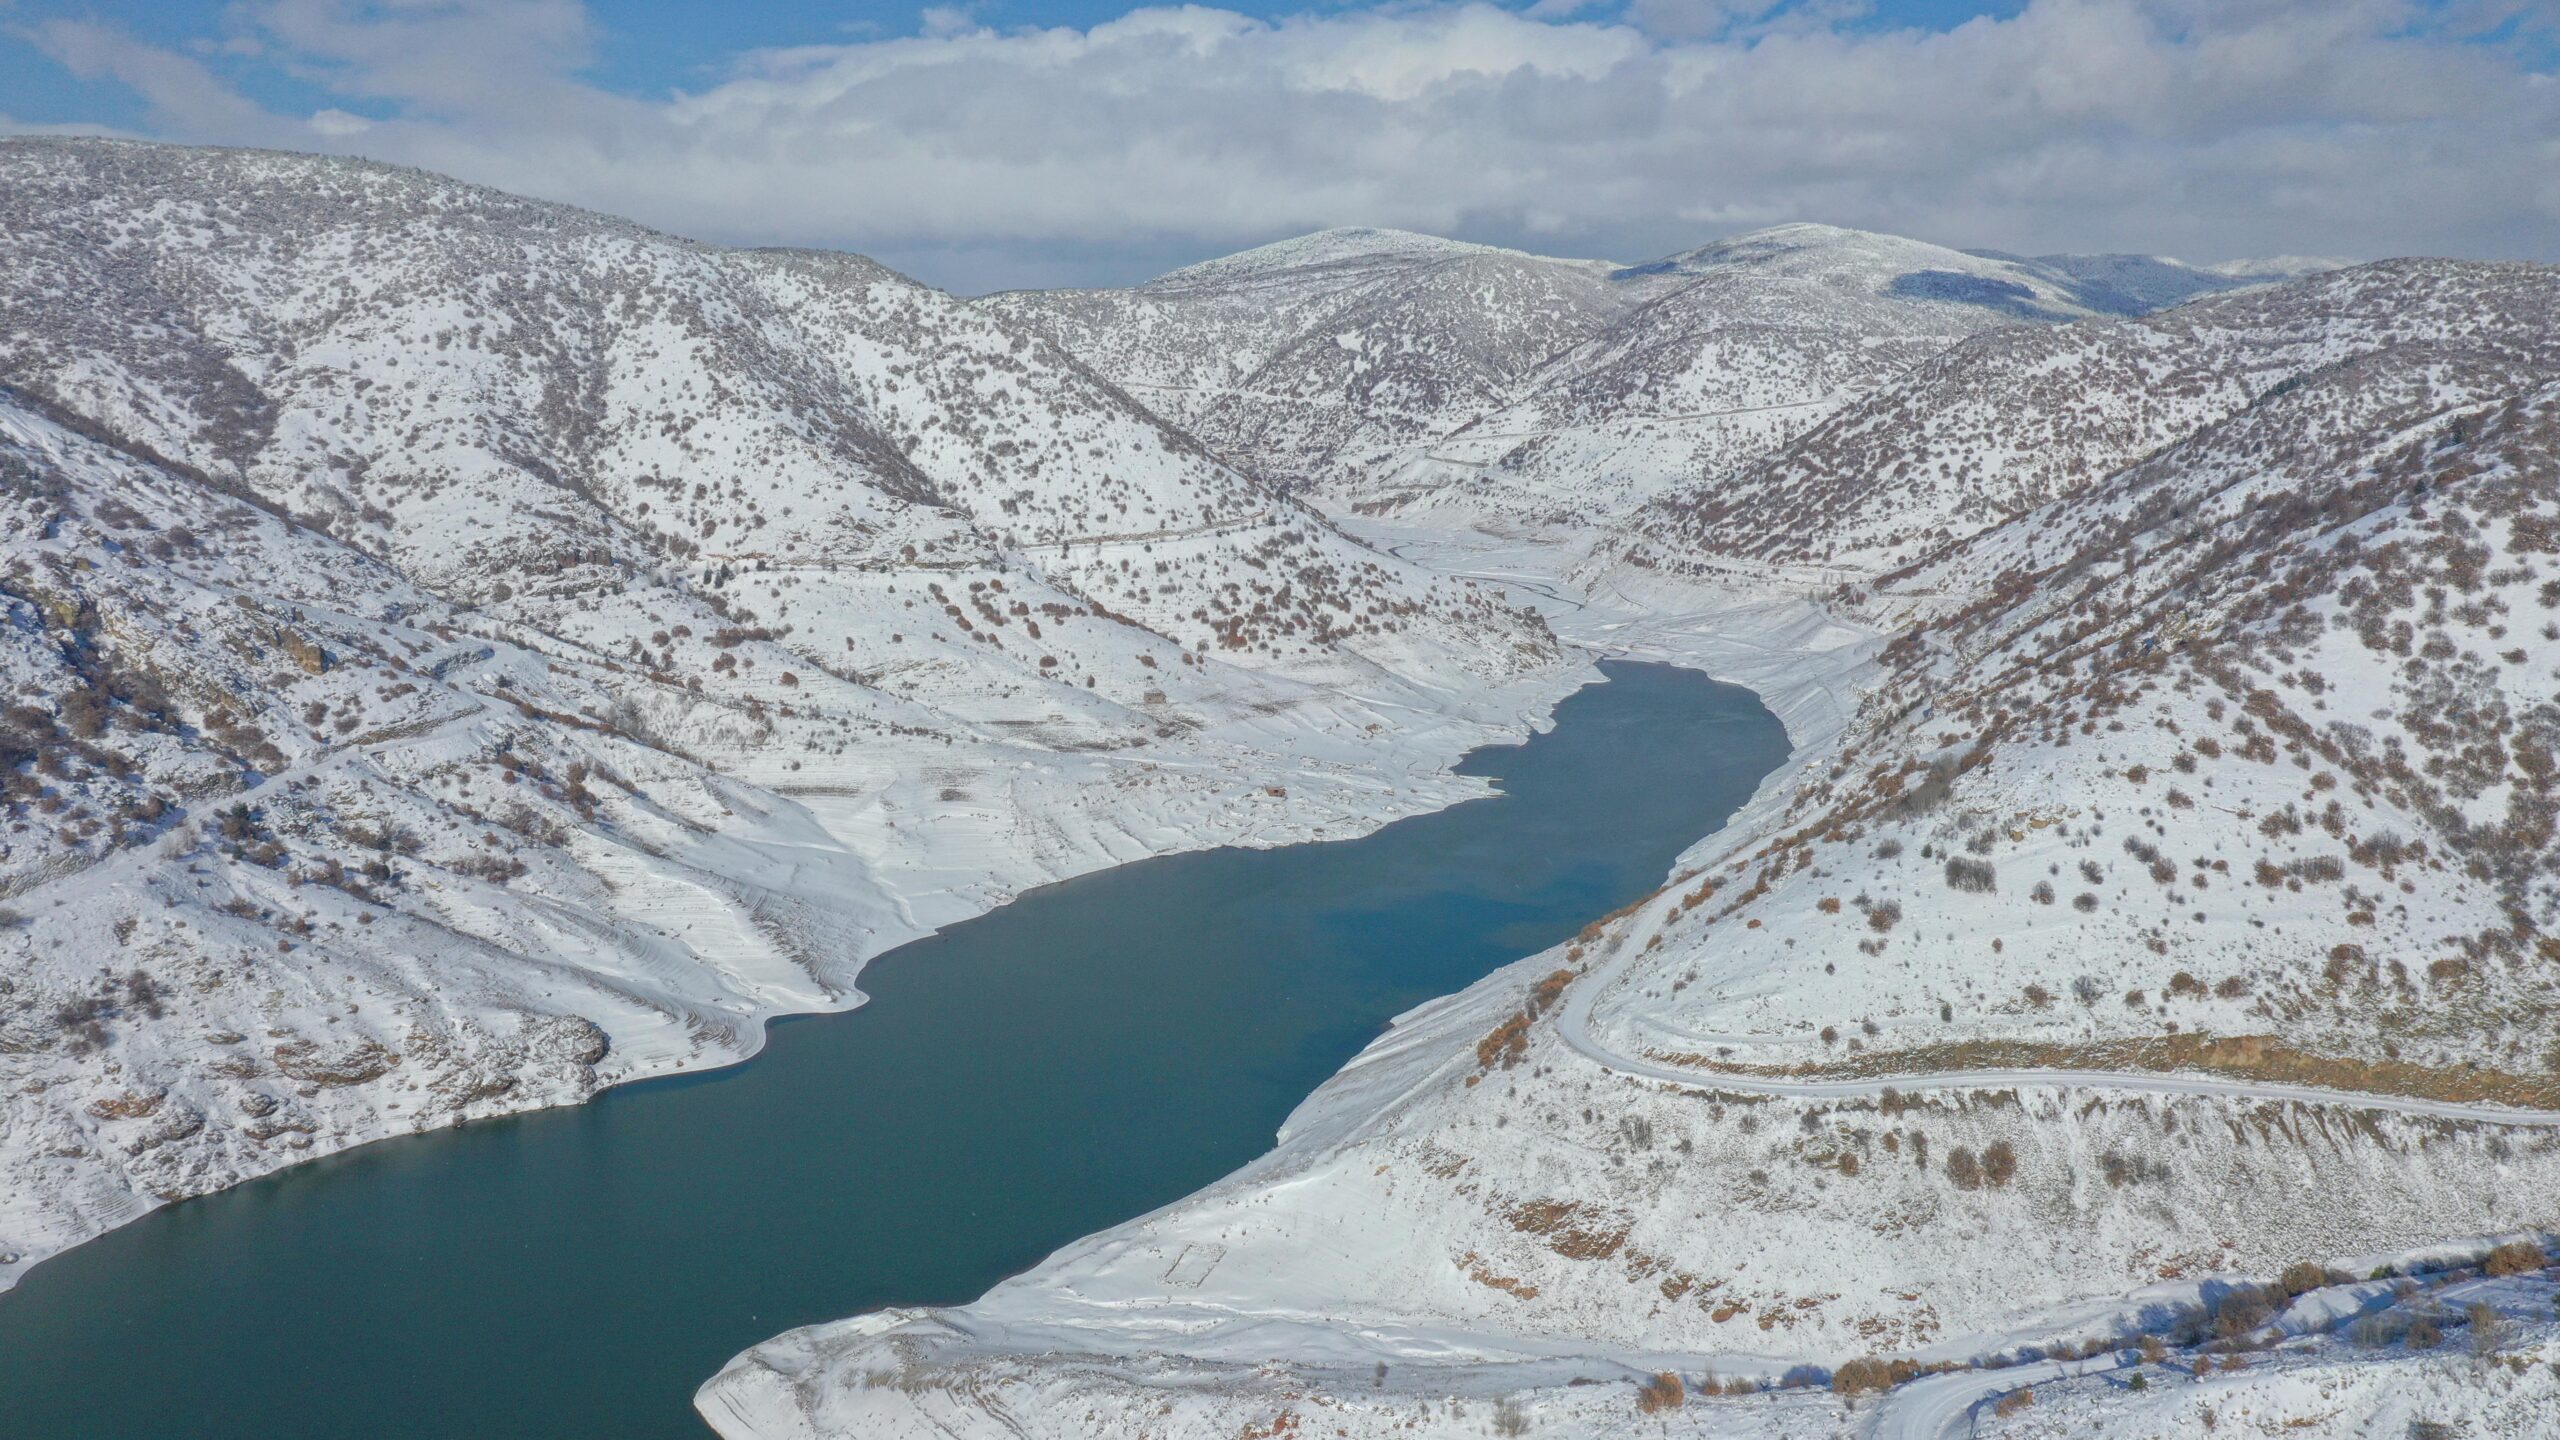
(1318, 354)
(2140, 284)
(465, 651)
(2165, 897)
(1741, 345)
(1993, 427)
(1397, 374)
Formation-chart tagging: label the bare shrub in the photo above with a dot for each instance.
(1867, 1374)
(2516, 1257)
(1662, 1392)
(2241, 1311)
(1963, 1169)
(2303, 1276)
(2488, 1331)
(1969, 875)
(1999, 1163)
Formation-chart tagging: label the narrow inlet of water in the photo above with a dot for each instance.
(1089, 1052)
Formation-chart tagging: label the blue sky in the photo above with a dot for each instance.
(1071, 141)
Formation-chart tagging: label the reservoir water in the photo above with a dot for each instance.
(1087, 1053)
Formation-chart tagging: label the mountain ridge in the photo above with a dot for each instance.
(645, 577)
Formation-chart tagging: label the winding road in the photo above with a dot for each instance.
(1573, 1023)
(1939, 1406)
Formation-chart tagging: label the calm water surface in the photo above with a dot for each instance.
(1093, 1050)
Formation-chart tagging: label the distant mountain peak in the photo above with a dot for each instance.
(1805, 241)
(1341, 244)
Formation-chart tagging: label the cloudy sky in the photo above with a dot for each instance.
(1039, 142)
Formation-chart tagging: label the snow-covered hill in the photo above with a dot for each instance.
(1398, 374)
(2163, 901)
(465, 651)
(1994, 427)
(1312, 356)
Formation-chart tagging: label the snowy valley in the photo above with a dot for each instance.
(467, 652)
(2151, 936)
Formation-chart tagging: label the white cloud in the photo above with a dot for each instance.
(981, 157)
(334, 123)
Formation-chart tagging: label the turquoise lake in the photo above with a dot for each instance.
(1089, 1052)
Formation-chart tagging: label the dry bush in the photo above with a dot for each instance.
(2241, 1311)
(2516, 1257)
(1662, 1392)
(2488, 1331)
(1963, 1169)
(1999, 1163)
(1867, 1374)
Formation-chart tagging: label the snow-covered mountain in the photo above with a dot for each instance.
(1994, 427)
(1312, 355)
(2140, 284)
(1400, 374)
(465, 651)
(2154, 933)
